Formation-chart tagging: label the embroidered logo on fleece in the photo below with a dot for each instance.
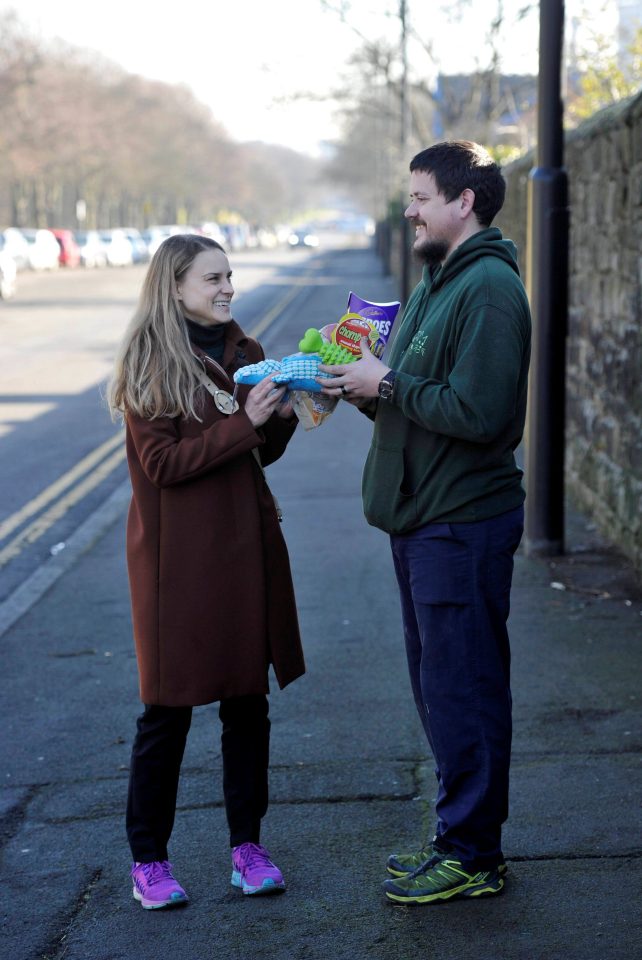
(418, 344)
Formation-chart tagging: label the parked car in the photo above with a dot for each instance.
(212, 229)
(118, 248)
(140, 251)
(236, 235)
(8, 271)
(15, 244)
(69, 255)
(154, 235)
(92, 248)
(266, 238)
(43, 249)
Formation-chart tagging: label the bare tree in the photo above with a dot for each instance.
(74, 126)
(440, 105)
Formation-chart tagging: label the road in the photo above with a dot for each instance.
(350, 781)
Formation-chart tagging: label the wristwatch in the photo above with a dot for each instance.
(386, 385)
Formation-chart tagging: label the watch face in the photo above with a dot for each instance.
(385, 389)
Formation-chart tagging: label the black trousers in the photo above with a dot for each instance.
(157, 754)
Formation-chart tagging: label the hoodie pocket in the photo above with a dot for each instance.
(386, 501)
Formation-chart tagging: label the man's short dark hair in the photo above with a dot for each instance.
(460, 164)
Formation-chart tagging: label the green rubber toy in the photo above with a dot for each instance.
(331, 354)
(312, 341)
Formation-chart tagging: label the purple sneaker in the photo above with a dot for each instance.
(253, 871)
(155, 887)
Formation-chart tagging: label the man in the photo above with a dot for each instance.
(442, 480)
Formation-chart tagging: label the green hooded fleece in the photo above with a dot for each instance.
(443, 445)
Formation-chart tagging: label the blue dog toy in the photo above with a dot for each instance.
(296, 372)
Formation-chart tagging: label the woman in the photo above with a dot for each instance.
(211, 590)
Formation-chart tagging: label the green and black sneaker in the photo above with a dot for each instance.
(442, 879)
(401, 864)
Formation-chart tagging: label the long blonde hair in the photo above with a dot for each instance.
(154, 368)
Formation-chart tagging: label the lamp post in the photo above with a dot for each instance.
(403, 145)
(548, 231)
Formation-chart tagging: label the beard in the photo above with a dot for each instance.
(431, 252)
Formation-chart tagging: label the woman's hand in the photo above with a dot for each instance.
(285, 410)
(263, 400)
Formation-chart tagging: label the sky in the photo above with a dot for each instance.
(246, 58)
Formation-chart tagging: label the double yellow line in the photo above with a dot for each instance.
(278, 307)
(89, 472)
(82, 479)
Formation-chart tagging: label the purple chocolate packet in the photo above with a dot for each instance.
(381, 314)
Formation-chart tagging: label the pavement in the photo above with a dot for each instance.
(350, 777)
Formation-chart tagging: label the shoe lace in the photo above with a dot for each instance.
(156, 871)
(426, 866)
(253, 855)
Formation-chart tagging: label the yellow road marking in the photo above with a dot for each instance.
(56, 488)
(278, 307)
(40, 526)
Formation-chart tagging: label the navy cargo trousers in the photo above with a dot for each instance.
(455, 581)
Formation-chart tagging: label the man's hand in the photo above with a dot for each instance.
(354, 381)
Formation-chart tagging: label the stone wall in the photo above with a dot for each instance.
(603, 159)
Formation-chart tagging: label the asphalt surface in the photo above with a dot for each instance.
(350, 778)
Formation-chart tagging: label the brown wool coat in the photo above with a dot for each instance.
(211, 589)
